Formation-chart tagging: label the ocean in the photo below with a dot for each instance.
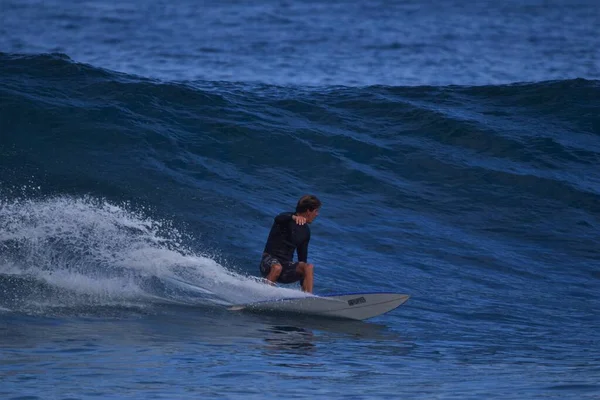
(145, 148)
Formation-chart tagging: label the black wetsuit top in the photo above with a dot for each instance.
(285, 237)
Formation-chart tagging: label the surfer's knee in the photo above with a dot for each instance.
(276, 269)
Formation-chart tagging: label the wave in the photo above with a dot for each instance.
(535, 137)
(509, 171)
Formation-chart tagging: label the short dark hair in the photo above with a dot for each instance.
(308, 202)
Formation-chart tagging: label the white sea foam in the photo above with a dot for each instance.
(107, 252)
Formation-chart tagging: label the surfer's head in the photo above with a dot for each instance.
(308, 206)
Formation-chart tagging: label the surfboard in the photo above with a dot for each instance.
(357, 306)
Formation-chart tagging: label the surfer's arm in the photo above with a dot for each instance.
(303, 252)
(284, 218)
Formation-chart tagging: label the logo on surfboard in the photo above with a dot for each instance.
(358, 300)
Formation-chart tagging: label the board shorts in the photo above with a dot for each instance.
(288, 269)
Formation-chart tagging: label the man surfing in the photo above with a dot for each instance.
(289, 233)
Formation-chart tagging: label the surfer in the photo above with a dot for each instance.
(289, 233)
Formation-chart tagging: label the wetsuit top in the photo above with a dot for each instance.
(286, 236)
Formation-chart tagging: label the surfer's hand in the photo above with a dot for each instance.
(299, 220)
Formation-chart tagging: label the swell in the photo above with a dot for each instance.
(514, 166)
(364, 137)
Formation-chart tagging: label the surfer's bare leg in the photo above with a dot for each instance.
(306, 270)
(274, 273)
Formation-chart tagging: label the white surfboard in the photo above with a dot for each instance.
(356, 306)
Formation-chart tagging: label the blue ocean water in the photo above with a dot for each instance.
(455, 147)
